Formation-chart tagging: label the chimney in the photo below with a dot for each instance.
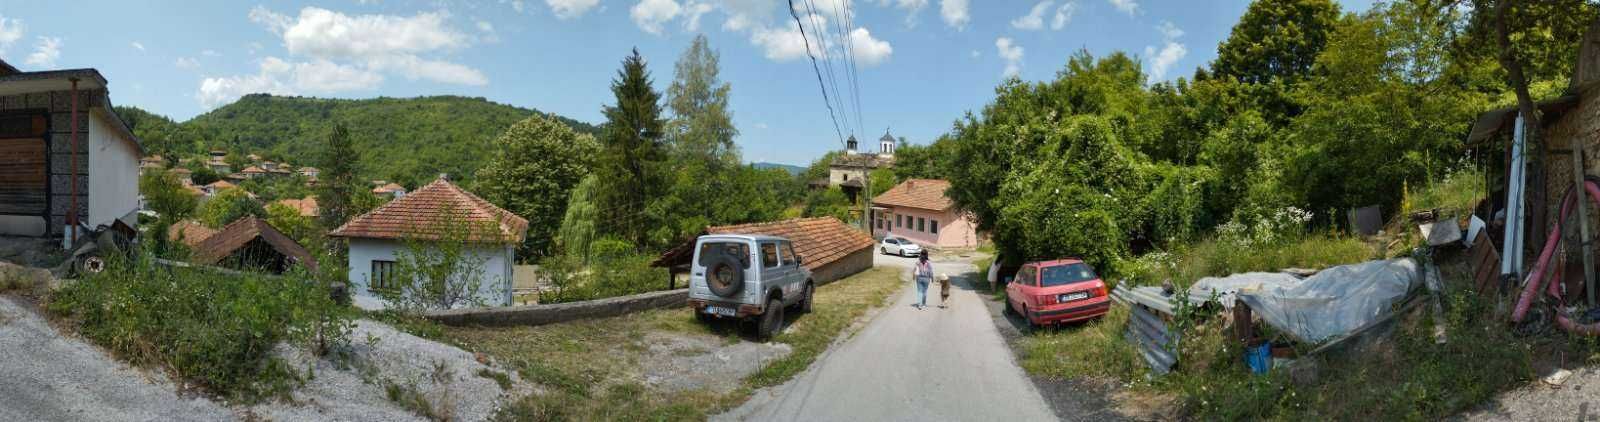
(444, 176)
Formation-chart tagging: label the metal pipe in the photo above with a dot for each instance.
(1510, 261)
(72, 215)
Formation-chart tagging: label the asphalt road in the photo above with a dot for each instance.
(910, 364)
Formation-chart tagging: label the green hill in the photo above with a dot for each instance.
(407, 140)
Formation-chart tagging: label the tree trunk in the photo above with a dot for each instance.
(1530, 114)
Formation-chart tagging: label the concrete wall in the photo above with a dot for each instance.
(495, 274)
(114, 181)
(955, 231)
(855, 262)
(562, 312)
(57, 106)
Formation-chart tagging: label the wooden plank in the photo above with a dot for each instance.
(24, 176)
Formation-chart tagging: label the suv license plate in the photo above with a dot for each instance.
(718, 310)
(1073, 296)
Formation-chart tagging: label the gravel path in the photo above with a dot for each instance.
(355, 389)
(48, 377)
(678, 362)
(1577, 399)
(910, 364)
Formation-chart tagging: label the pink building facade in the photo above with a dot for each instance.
(918, 210)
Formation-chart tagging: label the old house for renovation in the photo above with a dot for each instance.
(250, 244)
(917, 209)
(66, 159)
(831, 249)
(849, 171)
(424, 218)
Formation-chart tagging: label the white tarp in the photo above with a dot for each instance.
(1227, 287)
(1335, 301)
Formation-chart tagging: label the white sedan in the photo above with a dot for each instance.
(899, 246)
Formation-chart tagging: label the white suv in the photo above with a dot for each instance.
(749, 278)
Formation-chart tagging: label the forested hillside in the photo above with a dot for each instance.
(408, 140)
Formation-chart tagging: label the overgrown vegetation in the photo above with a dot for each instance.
(579, 386)
(213, 329)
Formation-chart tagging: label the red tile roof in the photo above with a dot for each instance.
(925, 194)
(820, 240)
(220, 185)
(418, 216)
(190, 232)
(239, 233)
(307, 207)
(252, 170)
(389, 188)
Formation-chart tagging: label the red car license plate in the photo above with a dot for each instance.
(1073, 296)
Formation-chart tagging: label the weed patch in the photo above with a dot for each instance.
(498, 377)
(215, 330)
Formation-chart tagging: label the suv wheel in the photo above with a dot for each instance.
(805, 302)
(771, 320)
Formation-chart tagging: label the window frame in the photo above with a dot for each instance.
(922, 224)
(381, 275)
(789, 257)
(777, 258)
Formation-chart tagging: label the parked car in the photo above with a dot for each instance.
(750, 278)
(1059, 291)
(899, 246)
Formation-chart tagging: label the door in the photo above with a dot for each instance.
(1018, 290)
(773, 273)
(24, 177)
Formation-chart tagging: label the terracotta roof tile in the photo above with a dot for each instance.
(925, 194)
(239, 233)
(252, 170)
(820, 240)
(307, 207)
(190, 232)
(221, 184)
(417, 215)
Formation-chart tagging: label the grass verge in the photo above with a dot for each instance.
(591, 370)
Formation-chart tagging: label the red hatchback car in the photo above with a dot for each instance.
(1053, 292)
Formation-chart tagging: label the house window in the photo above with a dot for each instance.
(383, 275)
(922, 225)
(935, 226)
(898, 221)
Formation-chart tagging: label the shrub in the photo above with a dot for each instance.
(216, 330)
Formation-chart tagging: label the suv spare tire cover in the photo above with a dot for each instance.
(724, 275)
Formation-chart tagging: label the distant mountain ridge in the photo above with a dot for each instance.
(408, 140)
(792, 169)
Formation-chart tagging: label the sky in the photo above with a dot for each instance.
(918, 64)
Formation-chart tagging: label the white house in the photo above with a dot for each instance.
(377, 237)
(65, 156)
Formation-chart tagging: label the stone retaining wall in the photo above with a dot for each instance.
(561, 312)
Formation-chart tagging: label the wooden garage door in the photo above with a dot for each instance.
(24, 181)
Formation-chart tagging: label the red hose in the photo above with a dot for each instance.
(1538, 276)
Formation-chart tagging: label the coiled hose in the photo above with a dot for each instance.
(1542, 272)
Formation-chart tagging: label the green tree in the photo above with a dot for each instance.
(540, 160)
(337, 186)
(701, 129)
(228, 205)
(923, 161)
(579, 225)
(165, 195)
(633, 158)
(288, 220)
(1276, 40)
(202, 175)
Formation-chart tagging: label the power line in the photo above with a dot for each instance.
(847, 18)
(818, 72)
(820, 31)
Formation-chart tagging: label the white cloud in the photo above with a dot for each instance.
(137, 46)
(45, 52)
(868, 51)
(10, 31)
(780, 44)
(327, 34)
(911, 7)
(485, 26)
(1171, 51)
(761, 125)
(692, 12)
(210, 53)
(279, 77)
(187, 63)
(746, 14)
(1130, 7)
(565, 9)
(1034, 20)
(649, 15)
(1011, 53)
(954, 13)
(1063, 15)
(976, 54)
(327, 76)
(413, 68)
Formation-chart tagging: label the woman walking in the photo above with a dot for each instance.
(923, 274)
